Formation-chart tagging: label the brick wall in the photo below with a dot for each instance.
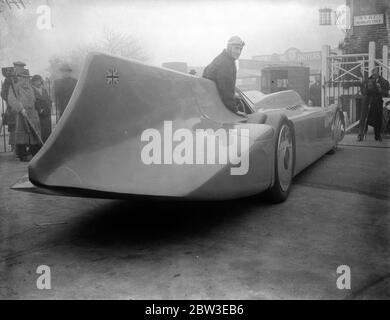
(357, 39)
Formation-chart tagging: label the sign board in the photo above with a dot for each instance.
(369, 19)
(291, 55)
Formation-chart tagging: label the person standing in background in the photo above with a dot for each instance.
(42, 105)
(11, 115)
(63, 88)
(315, 92)
(373, 90)
(22, 101)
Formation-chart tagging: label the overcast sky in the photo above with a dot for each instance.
(189, 31)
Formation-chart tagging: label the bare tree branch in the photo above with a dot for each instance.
(110, 41)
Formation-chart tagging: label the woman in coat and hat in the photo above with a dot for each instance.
(42, 105)
(22, 100)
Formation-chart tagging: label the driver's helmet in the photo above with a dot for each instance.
(236, 40)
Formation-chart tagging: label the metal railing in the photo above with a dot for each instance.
(384, 68)
(343, 75)
(351, 67)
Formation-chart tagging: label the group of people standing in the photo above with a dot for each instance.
(29, 107)
(28, 111)
(373, 90)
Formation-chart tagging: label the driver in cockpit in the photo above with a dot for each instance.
(222, 70)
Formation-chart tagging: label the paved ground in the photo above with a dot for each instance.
(337, 214)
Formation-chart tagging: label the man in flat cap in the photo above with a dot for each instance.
(42, 105)
(22, 101)
(10, 114)
(63, 88)
(222, 70)
(19, 66)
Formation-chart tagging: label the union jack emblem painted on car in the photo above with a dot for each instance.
(112, 76)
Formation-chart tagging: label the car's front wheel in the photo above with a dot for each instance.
(284, 163)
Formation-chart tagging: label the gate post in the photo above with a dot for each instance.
(371, 57)
(385, 58)
(2, 129)
(324, 73)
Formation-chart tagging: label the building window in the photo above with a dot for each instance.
(325, 16)
(282, 83)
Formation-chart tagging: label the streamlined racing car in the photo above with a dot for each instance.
(132, 129)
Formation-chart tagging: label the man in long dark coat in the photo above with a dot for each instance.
(373, 89)
(315, 93)
(42, 105)
(222, 70)
(23, 103)
(63, 88)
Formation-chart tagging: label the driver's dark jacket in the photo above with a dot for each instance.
(222, 70)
